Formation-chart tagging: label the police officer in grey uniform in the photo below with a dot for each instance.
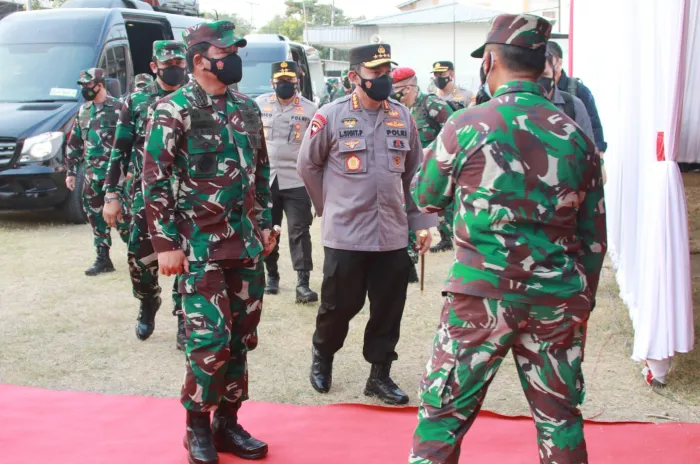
(357, 161)
(286, 115)
(444, 78)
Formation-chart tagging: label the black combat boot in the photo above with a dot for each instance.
(181, 338)
(147, 317)
(381, 386)
(413, 275)
(102, 263)
(304, 293)
(273, 284)
(199, 440)
(230, 437)
(321, 372)
(445, 243)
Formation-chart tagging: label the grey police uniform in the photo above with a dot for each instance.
(357, 166)
(284, 128)
(582, 118)
(461, 96)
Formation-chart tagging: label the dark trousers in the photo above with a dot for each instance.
(348, 278)
(296, 205)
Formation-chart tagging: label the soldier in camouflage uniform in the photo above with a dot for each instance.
(141, 81)
(430, 113)
(530, 232)
(90, 142)
(332, 88)
(127, 156)
(213, 231)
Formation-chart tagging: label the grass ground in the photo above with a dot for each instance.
(63, 330)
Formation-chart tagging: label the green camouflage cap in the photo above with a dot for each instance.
(142, 80)
(217, 33)
(523, 30)
(165, 50)
(344, 74)
(91, 76)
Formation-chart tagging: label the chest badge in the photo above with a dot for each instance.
(353, 163)
(395, 124)
(349, 122)
(299, 109)
(399, 144)
(393, 113)
(352, 144)
(397, 161)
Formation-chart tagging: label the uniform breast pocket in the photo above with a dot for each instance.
(398, 149)
(353, 154)
(204, 153)
(296, 132)
(267, 128)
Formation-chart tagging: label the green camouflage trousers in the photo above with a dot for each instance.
(143, 259)
(446, 222)
(94, 201)
(473, 337)
(413, 247)
(222, 301)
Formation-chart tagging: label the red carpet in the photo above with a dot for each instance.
(47, 427)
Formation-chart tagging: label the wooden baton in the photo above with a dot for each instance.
(423, 234)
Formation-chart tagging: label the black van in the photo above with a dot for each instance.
(42, 53)
(263, 50)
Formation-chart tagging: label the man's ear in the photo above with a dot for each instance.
(154, 68)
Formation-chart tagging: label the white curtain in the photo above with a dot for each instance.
(633, 57)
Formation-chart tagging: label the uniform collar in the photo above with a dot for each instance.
(273, 99)
(202, 99)
(357, 106)
(519, 87)
(563, 83)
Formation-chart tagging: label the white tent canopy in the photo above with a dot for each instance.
(639, 59)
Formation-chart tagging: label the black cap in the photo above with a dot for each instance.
(371, 56)
(284, 69)
(442, 66)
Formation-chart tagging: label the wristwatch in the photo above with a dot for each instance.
(111, 199)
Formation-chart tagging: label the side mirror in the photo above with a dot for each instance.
(113, 87)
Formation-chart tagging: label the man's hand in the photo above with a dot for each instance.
(129, 175)
(269, 242)
(424, 239)
(70, 182)
(173, 262)
(112, 212)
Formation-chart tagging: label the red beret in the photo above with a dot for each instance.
(402, 73)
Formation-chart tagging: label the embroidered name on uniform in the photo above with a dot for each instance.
(300, 118)
(350, 133)
(397, 133)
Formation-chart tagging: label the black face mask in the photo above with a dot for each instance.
(347, 84)
(379, 88)
(89, 94)
(484, 93)
(441, 82)
(547, 83)
(172, 75)
(229, 70)
(285, 90)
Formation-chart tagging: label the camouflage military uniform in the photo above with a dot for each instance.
(142, 80)
(90, 142)
(531, 239)
(127, 155)
(217, 148)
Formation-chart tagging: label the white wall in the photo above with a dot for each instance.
(419, 47)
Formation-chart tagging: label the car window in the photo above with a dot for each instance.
(114, 63)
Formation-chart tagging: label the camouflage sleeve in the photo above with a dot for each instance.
(439, 110)
(163, 137)
(74, 149)
(313, 153)
(416, 219)
(591, 223)
(263, 195)
(121, 153)
(433, 187)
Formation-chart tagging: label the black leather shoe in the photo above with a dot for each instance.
(380, 385)
(273, 284)
(304, 293)
(181, 338)
(199, 440)
(147, 318)
(230, 437)
(413, 276)
(102, 263)
(321, 372)
(445, 244)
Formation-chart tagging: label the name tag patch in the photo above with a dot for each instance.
(350, 133)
